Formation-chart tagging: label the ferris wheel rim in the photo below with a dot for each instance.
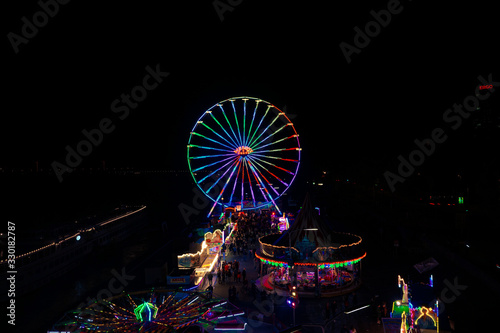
(228, 142)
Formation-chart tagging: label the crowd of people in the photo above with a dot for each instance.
(251, 227)
(243, 241)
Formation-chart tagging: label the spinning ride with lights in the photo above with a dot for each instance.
(243, 151)
(153, 311)
(312, 257)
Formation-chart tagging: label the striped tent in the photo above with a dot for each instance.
(308, 218)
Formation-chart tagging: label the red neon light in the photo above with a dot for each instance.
(489, 86)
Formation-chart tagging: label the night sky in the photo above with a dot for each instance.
(356, 116)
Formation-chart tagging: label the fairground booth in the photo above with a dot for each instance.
(202, 256)
(416, 311)
(312, 257)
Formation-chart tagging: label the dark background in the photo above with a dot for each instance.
(368, 111)
(353, 119)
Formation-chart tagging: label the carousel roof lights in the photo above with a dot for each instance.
(341, 246)
(321, 264)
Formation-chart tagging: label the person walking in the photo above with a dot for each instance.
(244, 274)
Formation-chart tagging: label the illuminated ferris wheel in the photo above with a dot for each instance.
(243, 151)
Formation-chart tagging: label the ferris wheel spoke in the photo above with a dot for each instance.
(259, 186)
(264, 131)
(217, 170)
(272, 164)
(236, 162)
(244, 119)
(238, 143)
(256, 149)
(254, 166)
(262, 185)
(253, 118)
(223, 129)
(276, 157)
(234, 185)
(272, 174)
(250, 182)
(231, 145)
(237, 124)
(260, 122)
(256, 144)
(209, 148)
(277, 149)
(224, 187)
(208, 156)
(242, 185)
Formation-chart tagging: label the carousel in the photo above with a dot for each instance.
(312, 257)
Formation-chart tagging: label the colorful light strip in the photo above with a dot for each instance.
(343, 245)
(149, 307)
(321, 265)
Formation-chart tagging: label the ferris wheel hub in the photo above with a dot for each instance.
(243, 150)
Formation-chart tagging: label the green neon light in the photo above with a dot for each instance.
(258, 126)
(230, 127)
(145, 308)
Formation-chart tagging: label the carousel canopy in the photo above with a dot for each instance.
(308, 228)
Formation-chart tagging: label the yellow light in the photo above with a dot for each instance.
(429, 314)
(203, 247)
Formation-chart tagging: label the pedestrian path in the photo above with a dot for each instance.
(311, 311)
(245, 300)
